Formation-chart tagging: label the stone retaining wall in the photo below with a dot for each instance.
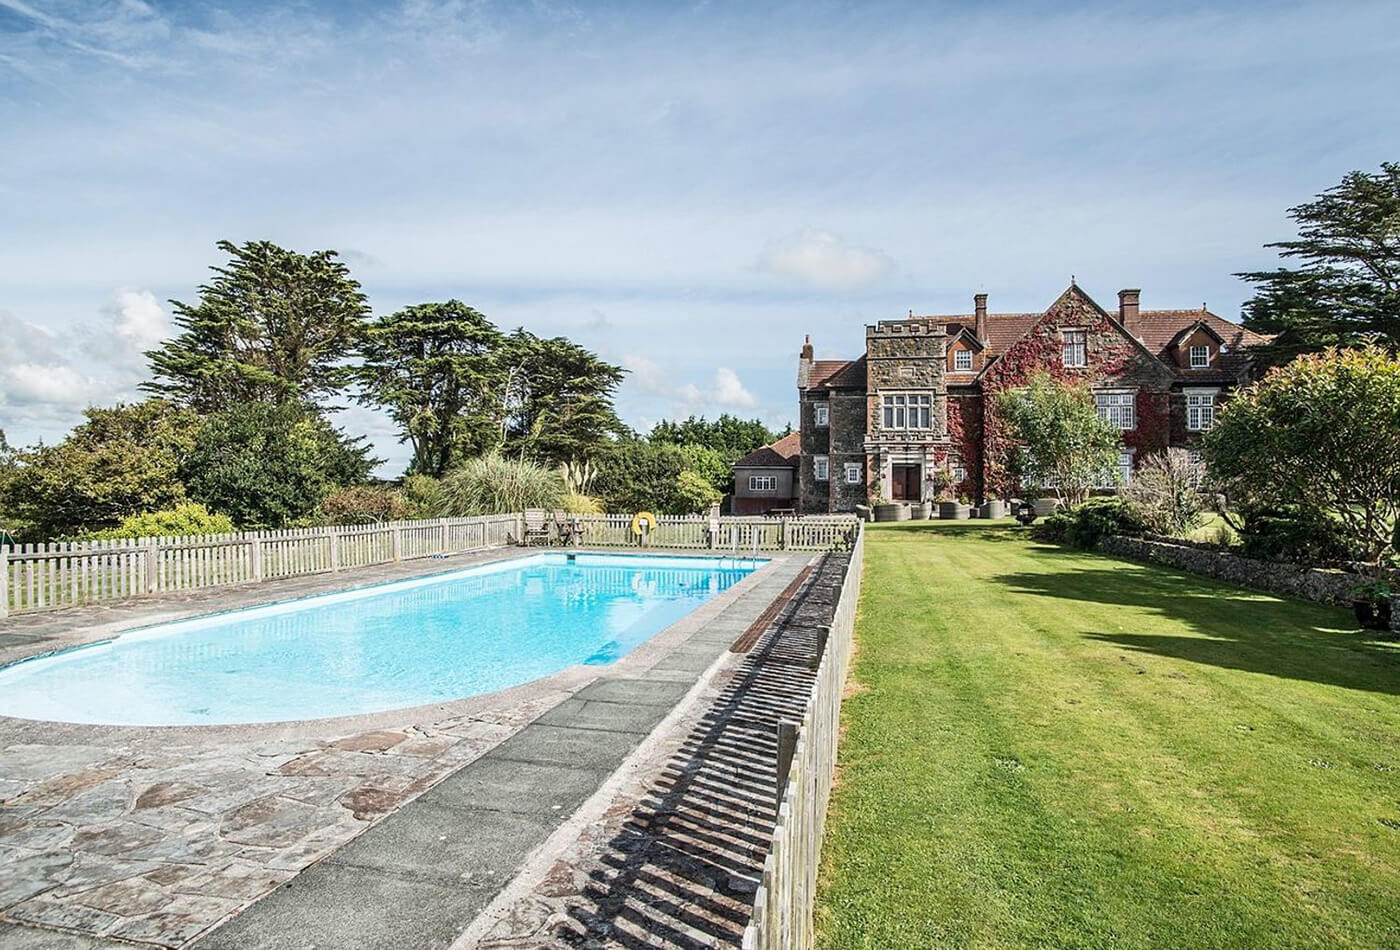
(1321, 585)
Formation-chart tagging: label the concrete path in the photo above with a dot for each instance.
(421, 875)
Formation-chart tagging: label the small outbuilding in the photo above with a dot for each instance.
(765, 480)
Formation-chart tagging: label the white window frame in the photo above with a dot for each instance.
(959, 472)
(763, 483)
(1072, 351)
(821, 415)
(1201, 406)
(1124, 471)
(821, 468)
(898, 409)
(1117, 407)
(852, 471)
(1204, 362)
(960, 357)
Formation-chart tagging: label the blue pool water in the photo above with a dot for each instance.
(403, 644)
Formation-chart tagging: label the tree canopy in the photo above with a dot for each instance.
(271, 464)
(558, 399)
(122, 461)
(1321, 433)
(436, 369)
(272, 325)
(1345, 288)
(1058, 438)
(730, 436)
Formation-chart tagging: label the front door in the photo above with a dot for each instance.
(904, 481)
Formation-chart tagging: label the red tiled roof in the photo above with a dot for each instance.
(1003, 329)
(783, 452)
(838, 374)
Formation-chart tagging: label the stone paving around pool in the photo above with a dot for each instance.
(154, 836)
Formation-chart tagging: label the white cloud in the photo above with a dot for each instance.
(726, 391)
(140, 322)
(823, 260)
(729, 390)
(29, 384)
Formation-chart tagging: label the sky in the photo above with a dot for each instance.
(687, 189)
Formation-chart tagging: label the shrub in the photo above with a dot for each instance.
(183, 519)
(577, 504)
(693, 494)
(1166, 489)
(365, 504)
(423, 493)
(1083, 526)
(1291, 533)
(493, 485)
(1318, 434)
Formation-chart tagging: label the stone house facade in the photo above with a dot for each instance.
(917, 408)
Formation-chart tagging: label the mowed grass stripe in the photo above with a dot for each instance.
(1047, 748)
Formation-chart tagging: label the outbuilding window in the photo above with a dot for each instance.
(763, 483)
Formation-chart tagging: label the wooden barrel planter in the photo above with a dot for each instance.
(992, 509)
(954, 510)
(921, 511)
(1044, 506)
(891, 512)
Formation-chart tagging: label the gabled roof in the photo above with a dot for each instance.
(783, 452)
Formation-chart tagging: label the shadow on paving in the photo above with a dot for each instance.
(684, 869)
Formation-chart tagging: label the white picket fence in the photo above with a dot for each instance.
(60, 574)
(737, 535)
(782, 918)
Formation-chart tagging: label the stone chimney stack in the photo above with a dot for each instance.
(804, 364)
(979, 328)
(1128, 308)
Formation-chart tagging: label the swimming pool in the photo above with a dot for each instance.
(409, 643)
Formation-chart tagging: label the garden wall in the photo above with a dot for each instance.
(1321, 585)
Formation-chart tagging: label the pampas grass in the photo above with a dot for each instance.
(493, 485)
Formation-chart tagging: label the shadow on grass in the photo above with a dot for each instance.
(1001, 529)
(1236, 629)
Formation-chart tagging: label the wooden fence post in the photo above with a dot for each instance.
(255, 557)
(398, 542)
(152, 559)
(335, 548)
(787, 745)
(823, 634)
(4, 581)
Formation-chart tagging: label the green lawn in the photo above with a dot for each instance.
(1048, 748)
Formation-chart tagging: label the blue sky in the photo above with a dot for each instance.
(687, 189)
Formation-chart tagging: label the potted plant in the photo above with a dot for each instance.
(1371, 604)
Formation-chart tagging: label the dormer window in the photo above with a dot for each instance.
(962, 360)
(1200, 357)
(1076, 347)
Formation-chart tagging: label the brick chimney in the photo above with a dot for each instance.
(804, 364)
(1128, 308)
(979, 329)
